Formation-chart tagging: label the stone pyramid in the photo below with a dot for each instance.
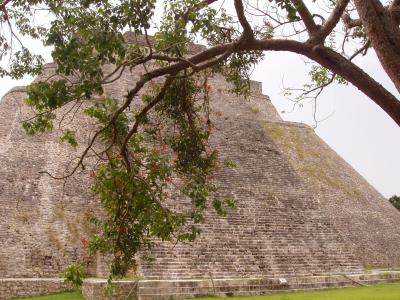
(302, 210)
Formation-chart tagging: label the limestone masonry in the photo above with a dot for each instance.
(302, 210)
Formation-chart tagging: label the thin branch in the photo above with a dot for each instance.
(351, 23)
(362, 50)
(143, 113)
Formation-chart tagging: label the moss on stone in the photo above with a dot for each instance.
(53, 237)
(23, 216)
(255, 109)
(287, 137)
(310, 163)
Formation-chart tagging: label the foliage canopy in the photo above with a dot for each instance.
(395, 200)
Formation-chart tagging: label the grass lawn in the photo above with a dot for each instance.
(377, 292)
(61, 296)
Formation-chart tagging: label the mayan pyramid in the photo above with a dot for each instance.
(301, 209)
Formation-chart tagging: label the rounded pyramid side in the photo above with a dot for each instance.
(368, 222)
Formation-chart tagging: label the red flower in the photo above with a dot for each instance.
(84, 242)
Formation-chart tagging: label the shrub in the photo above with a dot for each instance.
(395, 200)
(74, 274)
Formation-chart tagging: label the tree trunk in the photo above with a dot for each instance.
(384, 35)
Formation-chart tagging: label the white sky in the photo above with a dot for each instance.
(356, 128)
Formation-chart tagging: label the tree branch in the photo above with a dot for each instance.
(306, 16)
(338, 64)
(351, 23)
(144, 111)
(247, 30)
(395, 3)
(352, 73)
(3, 5)
(394, 10)
(332, 21)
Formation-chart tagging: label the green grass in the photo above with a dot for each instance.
(377, 292)
(61, 296)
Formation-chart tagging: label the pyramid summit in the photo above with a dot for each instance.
(303, 215)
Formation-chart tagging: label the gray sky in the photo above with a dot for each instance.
(355, 127)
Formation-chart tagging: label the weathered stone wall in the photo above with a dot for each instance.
(43, 222)
(99, 289)
(18, 287)
(367, 221)
(95, 289)
(277, 229)
(301, 209)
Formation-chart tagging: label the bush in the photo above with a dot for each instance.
(395, 200)
(74, 274)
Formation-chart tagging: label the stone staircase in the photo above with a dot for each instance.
(277, 229)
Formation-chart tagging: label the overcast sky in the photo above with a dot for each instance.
(354, 126)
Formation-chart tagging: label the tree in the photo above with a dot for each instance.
(395, 200)
(140, 157)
